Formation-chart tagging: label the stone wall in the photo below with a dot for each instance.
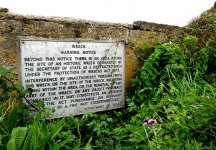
(13, 27)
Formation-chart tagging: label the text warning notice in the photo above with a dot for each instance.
(74, 77)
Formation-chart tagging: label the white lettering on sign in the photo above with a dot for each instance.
(74, 77)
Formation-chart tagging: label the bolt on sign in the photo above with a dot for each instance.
(74, 77)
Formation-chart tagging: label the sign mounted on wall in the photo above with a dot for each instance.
(74, 77)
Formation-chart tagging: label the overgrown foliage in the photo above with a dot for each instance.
(171, 87)
(171, 105)
(204, 25)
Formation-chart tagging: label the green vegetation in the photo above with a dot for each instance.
(171, 105)
(204, 26)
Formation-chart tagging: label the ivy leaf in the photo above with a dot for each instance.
(3, 85)
(10, 72)
(109, 119)
(27, 91)
(3, 71)
(24, 92)
(10, 89)
(39, 103)
(2, 96)
(19, 87)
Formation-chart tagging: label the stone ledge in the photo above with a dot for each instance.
(4, 10)
(152, 27)
(6, 15)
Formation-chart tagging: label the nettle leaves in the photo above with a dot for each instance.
(7, 79)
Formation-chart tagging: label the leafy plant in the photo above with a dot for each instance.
(17, 139)
(171, 106)
(37, 136)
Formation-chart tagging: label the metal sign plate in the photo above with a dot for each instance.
(74, 77)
